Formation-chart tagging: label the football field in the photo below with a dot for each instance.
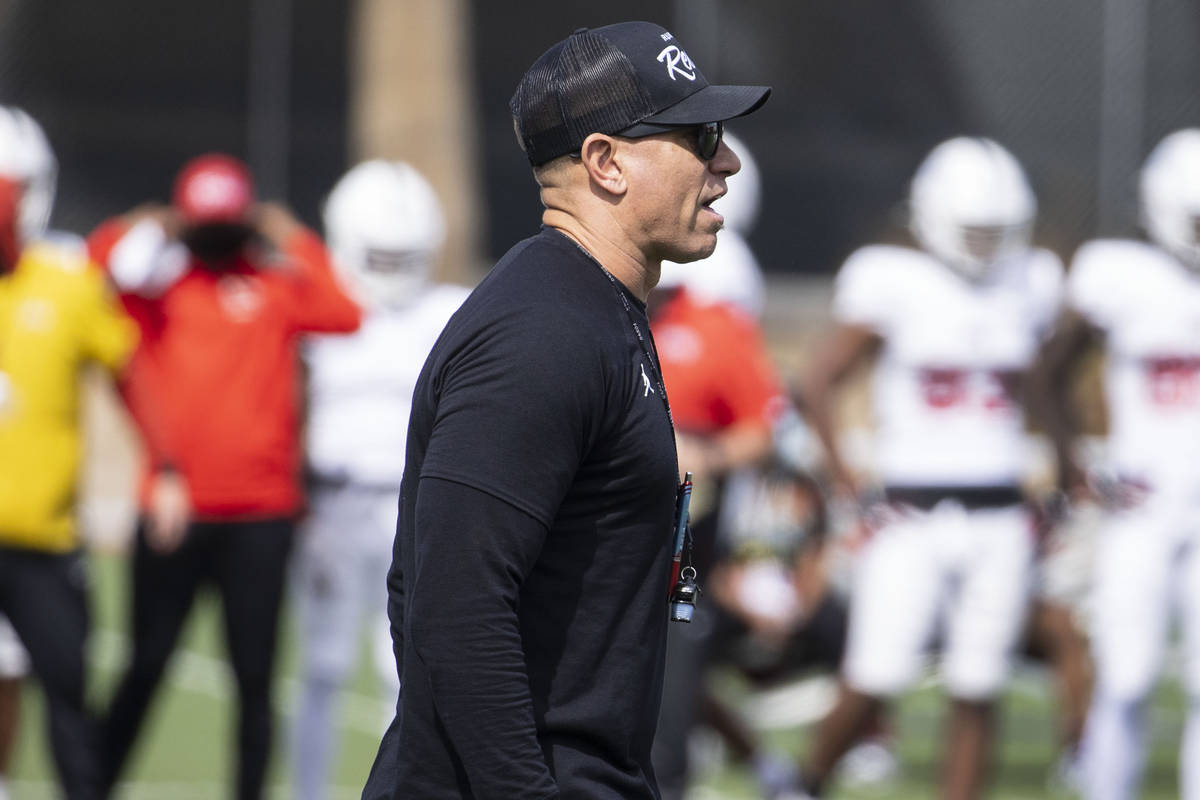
(186, 747)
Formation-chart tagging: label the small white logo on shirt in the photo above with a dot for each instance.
(666, 36)
(241, 296)
(36, 314)
(646, 388)
(672, 56)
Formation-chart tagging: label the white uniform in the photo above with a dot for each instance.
(1148, 559)
(947, 420)
(360, 391)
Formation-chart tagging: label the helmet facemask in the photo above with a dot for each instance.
(391, 278)
(384, 227)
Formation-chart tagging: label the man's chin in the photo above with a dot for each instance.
(698, 252)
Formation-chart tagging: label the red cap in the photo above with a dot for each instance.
(214, 188)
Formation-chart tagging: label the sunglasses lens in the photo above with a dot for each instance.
(709, 139)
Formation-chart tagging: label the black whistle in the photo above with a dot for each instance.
(684, 596)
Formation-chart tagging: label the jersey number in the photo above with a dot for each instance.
(1174, 381)
(951, 388)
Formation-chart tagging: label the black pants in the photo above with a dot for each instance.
(246, 563)
(44, 595)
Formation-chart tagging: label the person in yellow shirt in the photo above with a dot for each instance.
(57, 315)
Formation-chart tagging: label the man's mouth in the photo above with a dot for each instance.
(707, 206)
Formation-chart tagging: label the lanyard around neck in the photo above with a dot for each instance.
(644, 341)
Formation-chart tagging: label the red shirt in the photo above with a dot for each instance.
(215, 386)
(715, 365)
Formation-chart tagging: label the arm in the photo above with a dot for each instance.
(1050, 396)
(740, 444)
(141, 252)
(143, 259)
(318, 303)
(472, 552)
(110, 334)
(469, 551)
(849, 347)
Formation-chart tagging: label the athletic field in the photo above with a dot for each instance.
(186, 751)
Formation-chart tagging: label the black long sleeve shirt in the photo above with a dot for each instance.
(529, 579)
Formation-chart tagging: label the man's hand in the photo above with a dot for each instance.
(166, 216)
(170, 511)
(275, 223)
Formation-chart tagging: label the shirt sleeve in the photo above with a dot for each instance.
(515, 415)
(863, 291)
(144, 310)
(517, 409)
(472, 552)
(316, 301)
(110, 335)
(140, 378)
(1094, 286)
(1047, 288)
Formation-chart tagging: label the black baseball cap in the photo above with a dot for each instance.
(631, 78)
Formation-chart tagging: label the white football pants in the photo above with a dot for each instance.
(966, 571)
(340, 583)
(1147, 568)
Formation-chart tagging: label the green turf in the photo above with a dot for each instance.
(186, 752)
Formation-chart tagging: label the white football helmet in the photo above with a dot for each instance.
(26, 158)
(1170, 195)
(971, 205)
(384, 227)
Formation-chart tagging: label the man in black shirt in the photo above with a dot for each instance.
(529, 581)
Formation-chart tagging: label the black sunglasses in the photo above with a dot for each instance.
(708, 136)
(708, 139)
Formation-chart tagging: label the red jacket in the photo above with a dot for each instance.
(215, 385)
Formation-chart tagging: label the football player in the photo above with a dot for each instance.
(1140, 301)
(384, 228)
(953, 328)
(57, 316)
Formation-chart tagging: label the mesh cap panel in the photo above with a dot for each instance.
(580, 86)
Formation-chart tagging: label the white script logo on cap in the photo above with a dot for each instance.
(672, 56)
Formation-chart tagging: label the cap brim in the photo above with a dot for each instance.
(712, 104)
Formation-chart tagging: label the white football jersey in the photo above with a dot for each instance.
(1148, 305)
(360, 388)
(945, 387)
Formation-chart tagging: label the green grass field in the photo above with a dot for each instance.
(186, 751)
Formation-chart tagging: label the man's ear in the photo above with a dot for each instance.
(603, 157)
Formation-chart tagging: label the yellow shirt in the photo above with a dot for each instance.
(56, 316)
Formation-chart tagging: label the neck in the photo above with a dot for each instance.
(615, 253)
